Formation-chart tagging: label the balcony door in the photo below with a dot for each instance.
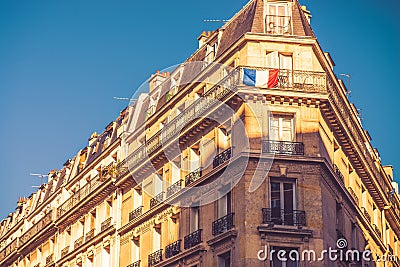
(283, 201)
(278, 19)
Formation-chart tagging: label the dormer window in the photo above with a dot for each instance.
(278, 19)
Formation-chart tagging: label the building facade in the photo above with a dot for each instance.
(208, 169)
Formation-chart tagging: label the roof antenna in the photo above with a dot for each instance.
(349, 82)
(41, 176)
(216, 20)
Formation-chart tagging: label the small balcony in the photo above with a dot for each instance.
(193, 176)
(89, 235)
(282, 217)
(158, 199)
(65, 251)
(78, 242)
(174, 188)
(135, 213)
(282, 147)
(222, 157)
(155, 257)
(338, 172)
(366, 214)
(353, 195)
(173, 249)
(135, 264)
(106, 224)
(192, 239)
(223, 224)
(49, 259)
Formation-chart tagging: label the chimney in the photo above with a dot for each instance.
(307, 13)
(156, 79)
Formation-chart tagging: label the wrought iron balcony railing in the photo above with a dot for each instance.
(65, 251)
(193, 176)
(174, 188)
(377, 230)
(173, 249)
(282, 217)
(338, 172)
(304, 81)
(156, 200)
(222, 157)
(155, 257)
(192, 239)
(37, 265)
(10, 249)
(106, 224)
(135, 264)
(367, 216)
(82, 194)
(223, 224)
(135, 213)
(36, 228)
(78, 242)
(282, 147)
(89, 235)
(353, 195)
(278, 25)
(49, 259)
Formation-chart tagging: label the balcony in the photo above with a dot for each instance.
(282, 217)
(65, 251)
(10, 249)
(135, 213)
(89, 235)
(173, 249)
(192, 239)
(193, 176)
(303, 81)
(135, 264)
(223, 224)
(222, 157)
(338, 172)
(278, 25)
(377, 231)
(49, 259)
(36, 228)
(282, 147)
(106, 224)
(155, 257)
(78, 242)
(174, 188)
(353, 195)
(37, 265)
(156, 200)
(366, 214)
(82, 194)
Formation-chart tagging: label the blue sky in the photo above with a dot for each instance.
(61, 63)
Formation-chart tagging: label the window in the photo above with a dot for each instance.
(224, 260)
(194, 219)
(283, 201)
(224, 204)
(281, 127)
(278, 19)
(290, 257)
(156, 239)
(135, 250)
(339, 220)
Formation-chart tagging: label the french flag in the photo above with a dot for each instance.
(261, 78)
